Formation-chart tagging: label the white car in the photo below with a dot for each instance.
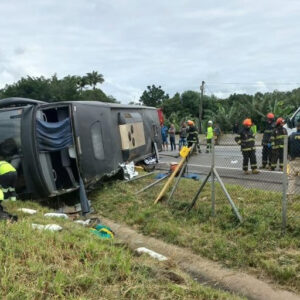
(290, 125)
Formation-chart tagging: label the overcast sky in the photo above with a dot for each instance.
(134, 43)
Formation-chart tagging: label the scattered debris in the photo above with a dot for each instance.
(28, 211)
(234, 161)
(161, 175)
(129, 170)
(103, 231)
(150, 160)
(50, 227)
(192, 176)
(56, 215)
(92, 222)
(83, 223)
(153, 254)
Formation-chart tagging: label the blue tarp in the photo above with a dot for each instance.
(54, 136)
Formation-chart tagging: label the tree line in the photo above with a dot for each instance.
(53, 89)
(225, 112)
(178, 108)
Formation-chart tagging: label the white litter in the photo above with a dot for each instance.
(128, 170)
(150, 160)
(153, 254)
(56, 215)
(28, 211)
(50, 227)
(83, 223)
(234, 161)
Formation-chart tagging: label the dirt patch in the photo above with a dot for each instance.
(203, 270)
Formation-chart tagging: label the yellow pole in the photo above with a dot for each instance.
(166, 186)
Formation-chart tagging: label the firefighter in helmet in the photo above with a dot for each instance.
(266, 141)
(192, 137)
(247, 142)
(277, 140)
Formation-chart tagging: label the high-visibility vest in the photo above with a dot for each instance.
(6, 167)
(1, 195)
(254, 129)
(210, 133)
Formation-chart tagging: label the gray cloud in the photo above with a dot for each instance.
(136, 43)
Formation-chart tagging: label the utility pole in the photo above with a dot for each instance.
(201, 105)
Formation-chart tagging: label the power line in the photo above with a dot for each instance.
(254, 83)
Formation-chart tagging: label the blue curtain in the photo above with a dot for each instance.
(54, 136)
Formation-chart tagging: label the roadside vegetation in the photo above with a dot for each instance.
(226, 112)
(256, 246)
(75, 264)
(176, 108)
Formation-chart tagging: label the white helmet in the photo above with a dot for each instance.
(210, 122)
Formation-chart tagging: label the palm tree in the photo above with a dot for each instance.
(81, 82)
(94, 78)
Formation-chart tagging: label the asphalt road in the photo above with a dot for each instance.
(228, 162)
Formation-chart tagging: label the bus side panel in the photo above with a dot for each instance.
(95, 141)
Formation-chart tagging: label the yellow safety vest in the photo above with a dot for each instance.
(6, 167)
(210, 133)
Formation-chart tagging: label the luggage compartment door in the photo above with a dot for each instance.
(93, 141)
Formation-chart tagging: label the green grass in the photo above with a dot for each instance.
(75, 264)
(256, 246)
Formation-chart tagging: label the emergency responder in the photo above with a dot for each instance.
(8, 180)
(4, 215)
(192, 137)
(209, 136)
(294, 164)
(247, 142)
(277, 140)
(266, 141)
(1, 199)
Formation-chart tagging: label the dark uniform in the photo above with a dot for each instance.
(277, 140)
(192, 137)
(267, 146)
(247, 142)
(294, 164)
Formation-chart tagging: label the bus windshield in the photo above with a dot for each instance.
(10, 133)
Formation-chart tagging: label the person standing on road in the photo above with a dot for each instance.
(217, 132)
(247, 142)
(294, 161)
(182, 136)
(164, 135)
(235, 128)
(192, 137)
(172, 132)
(277, 140)
(209, 136)
(266, 142)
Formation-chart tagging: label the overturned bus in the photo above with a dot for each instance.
(55, 146)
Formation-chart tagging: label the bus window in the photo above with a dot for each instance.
(10, 133)
(97, 141)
